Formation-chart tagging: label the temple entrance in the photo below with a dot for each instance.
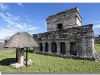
(73, 48)
(46, 47)
(59, 26)
(41, 49)
(62, 48)
(54, 47)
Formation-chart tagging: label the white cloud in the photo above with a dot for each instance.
(26, 15)
(96, 29)
(10, 19)
(12, 16)
(4, 6)
(5, 32)
(29, 20)
(20, 4)
(25, 27)
(13, 25)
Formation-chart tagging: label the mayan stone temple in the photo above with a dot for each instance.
(66, 36)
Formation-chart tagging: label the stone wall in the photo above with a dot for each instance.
(84, 31)
(81, 38)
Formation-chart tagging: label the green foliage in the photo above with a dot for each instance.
(49, 64)
(97, 42)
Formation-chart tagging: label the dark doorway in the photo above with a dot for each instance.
(63, 48)
(41, 49)
(59, 26)
(54, 47)
(73, 48)
(46, 47)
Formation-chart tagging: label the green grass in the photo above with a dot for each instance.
(97, 47)
(49, 64)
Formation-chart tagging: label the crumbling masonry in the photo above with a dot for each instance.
(66, 36)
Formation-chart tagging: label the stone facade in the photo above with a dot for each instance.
(68, 18)
(66, 36)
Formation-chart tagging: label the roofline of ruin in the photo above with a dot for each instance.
(75, 9)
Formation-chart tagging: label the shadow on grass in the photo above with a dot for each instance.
(7, 61)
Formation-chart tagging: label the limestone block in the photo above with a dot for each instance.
(16, 65)
(21, 57)
(29, 62)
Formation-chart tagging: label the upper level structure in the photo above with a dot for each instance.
(84, 31)
(63, 20)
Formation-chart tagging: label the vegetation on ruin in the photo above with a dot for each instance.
(43, 63)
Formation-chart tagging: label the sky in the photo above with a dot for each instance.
(31, 17)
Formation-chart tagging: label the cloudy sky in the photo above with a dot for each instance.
(30, 17)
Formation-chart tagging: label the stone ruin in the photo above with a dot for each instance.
(66, 36)
(97, 39)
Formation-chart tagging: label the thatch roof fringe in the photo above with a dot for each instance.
(21, 40)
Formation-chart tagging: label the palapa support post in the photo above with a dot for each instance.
(21, 56)
(26, 55)
(16, 54)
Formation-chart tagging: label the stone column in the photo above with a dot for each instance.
(83, 47)
(58, 47)
(92, 42)
(67, 47)
(49, 47)
(21, 57)
(43, 47)
(90, 47)
(79, 46)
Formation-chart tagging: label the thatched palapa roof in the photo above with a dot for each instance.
(21, 40)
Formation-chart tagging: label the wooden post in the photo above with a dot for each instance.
(16, 54)
(26, 55)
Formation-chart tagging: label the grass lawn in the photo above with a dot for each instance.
(43, 63)
(97, 47)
